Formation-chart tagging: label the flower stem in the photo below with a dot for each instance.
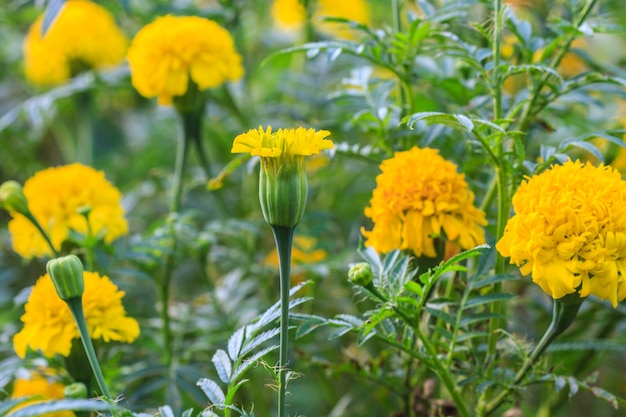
(562, 316)
(76, 307)
(43, 233)
(283, 236)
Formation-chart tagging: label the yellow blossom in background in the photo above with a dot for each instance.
(83, 36)
(304, 252)
(569, 231)
(418, 197)
(572, 64)
(42, 385)
(284, 143)
(58, 198)
(50, 327)
(169, 53)
(290, 16)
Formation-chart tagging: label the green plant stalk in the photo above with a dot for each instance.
(84, 134)
(562, 316)
(529, 110)
(43, 233)
(283, 235)
(75, 305)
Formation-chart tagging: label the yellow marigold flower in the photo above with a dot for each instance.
(290, 16)
(569, 231)
(284, 143)
(42, 385)
(83, 36)
(166, 53)
(58, 198)
(50, 327)
(418, 196)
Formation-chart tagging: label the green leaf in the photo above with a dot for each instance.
(414, 287)
(61, 405)
(486, 299)
(455, 121)
(51, 13)
(212, 391)
(252, 360)
(467, 320)
(582, 345)
(222, 365)
(373, 321)
(440, 314)
(235, 343)
(256, 341)
(491, 280)
(589, 147)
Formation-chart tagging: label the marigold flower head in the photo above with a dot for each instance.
(44, 385)
(283, 182)
(418, 197)
(569, 231)
(290, 16)
(50, 327)
(169, 53)
(83, 35)
(58, 198)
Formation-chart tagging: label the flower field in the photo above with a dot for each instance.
(403, 208)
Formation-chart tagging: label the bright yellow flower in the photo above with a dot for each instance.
(290, 16)
(283, 143)
(43, 385)
(83, 36)
(418, 197)
(50, 327)
(56, 198)
(166, 53)
(569, 231)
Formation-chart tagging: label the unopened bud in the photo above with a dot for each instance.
(361, 274)
(283, 189)
(12, 198)
(67, 276)
(76, 390)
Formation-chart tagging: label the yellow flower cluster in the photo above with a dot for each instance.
(290, 16)
(418, 196)
(283, 143)
(39, 384)
(50, 327)
(569, 231)
(167, 53)
(83, 36)
(58, 198)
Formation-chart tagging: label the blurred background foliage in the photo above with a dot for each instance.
(226, 271)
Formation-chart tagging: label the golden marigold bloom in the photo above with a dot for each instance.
(43, 385)
(167, 53)
(50, 327)
(418, 196)
(59, 198)
(290, 16)
(83, 36)
(284, 143)
(569, 231)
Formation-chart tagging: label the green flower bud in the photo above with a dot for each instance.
(12, 198)
(361, 274)
(67, 276)
(283, 189)
(76, 390)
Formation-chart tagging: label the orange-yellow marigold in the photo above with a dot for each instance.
(569, 231)
(84, 35)
(169, 53)
(58, 198)
(418, 197)
(41, 384)
(50, 327)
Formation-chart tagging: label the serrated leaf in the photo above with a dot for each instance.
(589, 147)
(491, 280)
(222, 365)
(447, 318)
(467, 320)
(582, 345)
(487, 298)
(455, 121)
(234, 343)
(488, 123)
(212, 391)
(60, 405)
(375, 319)
(51, 13)
(258, 340)
(414, 287)
(166, 411)
(252, 360)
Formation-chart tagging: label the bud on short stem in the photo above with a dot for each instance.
(67, 276)
(75, 390)
(12, 198)
(361, 274)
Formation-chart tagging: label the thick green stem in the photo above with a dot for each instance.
(76, 307)
(562, 316)
(84, 127)
(284, 239)
(179, 169)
